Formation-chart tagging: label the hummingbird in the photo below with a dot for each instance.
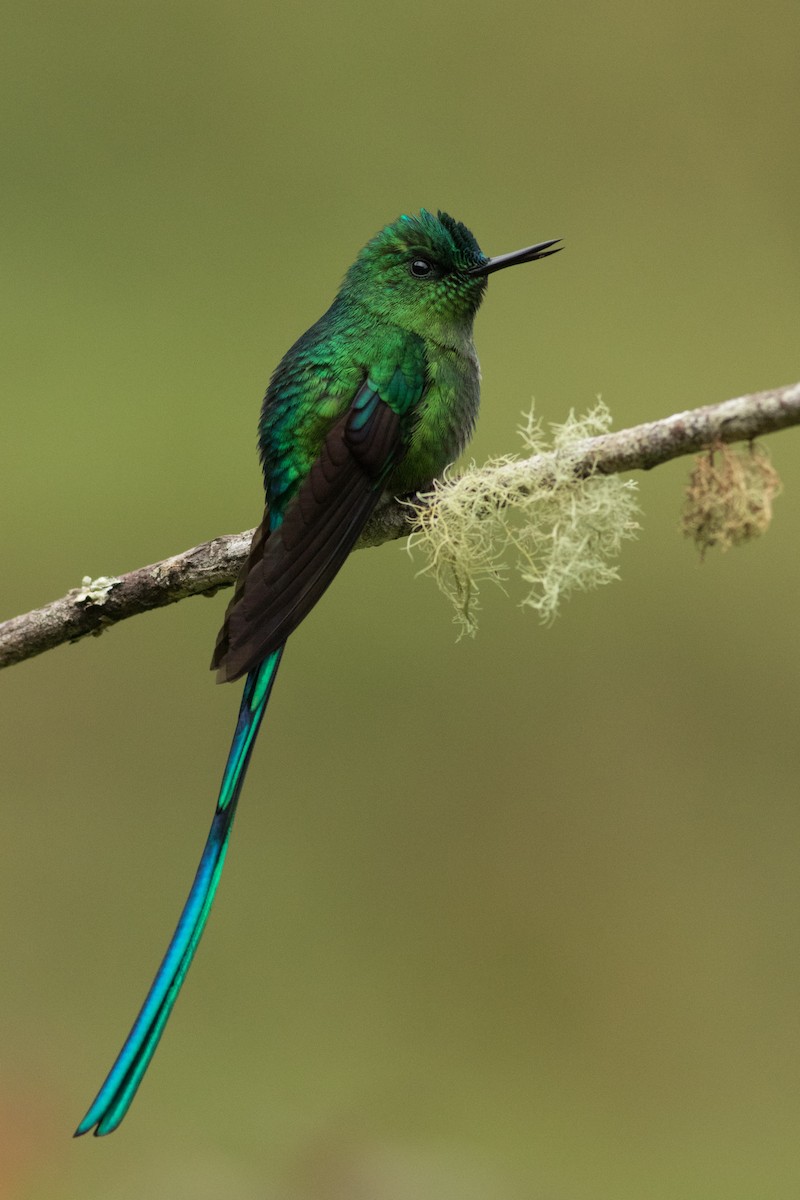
(371, 403)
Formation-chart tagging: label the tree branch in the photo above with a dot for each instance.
(206, 568)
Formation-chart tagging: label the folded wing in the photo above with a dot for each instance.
(291, 563)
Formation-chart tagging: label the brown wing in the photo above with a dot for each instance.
(290, 567)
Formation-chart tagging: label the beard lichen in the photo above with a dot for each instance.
(560, 531)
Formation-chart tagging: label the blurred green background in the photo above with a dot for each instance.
(517, 917)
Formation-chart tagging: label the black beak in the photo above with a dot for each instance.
(529, 254)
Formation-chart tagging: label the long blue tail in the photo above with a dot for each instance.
(115, 1096)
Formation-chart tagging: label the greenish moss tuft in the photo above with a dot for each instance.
(560, 532)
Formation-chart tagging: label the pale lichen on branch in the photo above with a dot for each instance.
(561, 533)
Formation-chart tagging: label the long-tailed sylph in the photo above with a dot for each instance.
(373, 401)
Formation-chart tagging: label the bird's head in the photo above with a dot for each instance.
(428, 274)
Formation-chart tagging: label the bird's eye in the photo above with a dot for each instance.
(420, 267)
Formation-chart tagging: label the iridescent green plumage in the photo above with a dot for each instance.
(374, 400)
